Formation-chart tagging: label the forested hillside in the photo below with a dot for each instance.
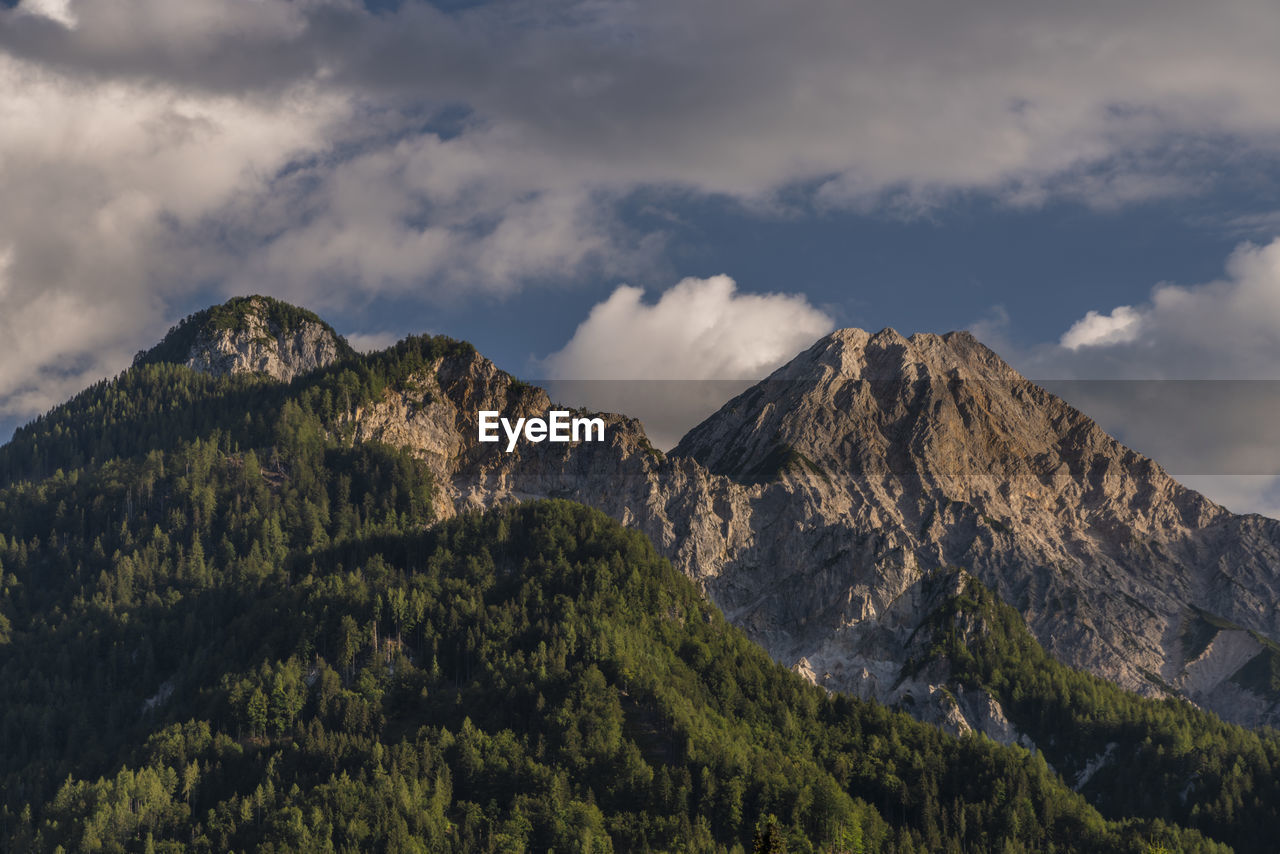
(158, 405)
(225, 626)
(1128, 755)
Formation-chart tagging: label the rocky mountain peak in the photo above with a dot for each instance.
(929, 407)
(874, 459)
(855, 352)
(253, 334)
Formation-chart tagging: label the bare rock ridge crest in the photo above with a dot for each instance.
(254, 334)
(815, 507)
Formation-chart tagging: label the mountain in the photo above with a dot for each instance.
(826, 510)
(242, 631)
(887, 457)
(1129, 755)
(811, 507)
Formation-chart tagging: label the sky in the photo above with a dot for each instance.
(666, 190)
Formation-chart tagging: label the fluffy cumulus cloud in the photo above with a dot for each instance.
(1121, 326)
(674, 361)
(325, 152)
(1228, 329)
(698, 330)
(54, 10)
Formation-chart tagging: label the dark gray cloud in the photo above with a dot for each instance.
(740, 97)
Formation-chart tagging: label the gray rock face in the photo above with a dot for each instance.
(435, 416)
(813, 508)
(262, 346)
(911, 454)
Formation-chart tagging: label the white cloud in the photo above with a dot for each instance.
(673, 362)
(427, 216)
(1225, 329)
(54, 10)
(370, 342)
(700, 329)
(1121, 326)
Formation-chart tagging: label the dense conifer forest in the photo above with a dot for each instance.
(1131, 756)
(224, 626)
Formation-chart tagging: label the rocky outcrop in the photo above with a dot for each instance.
(260, 345)
(813, 507)
(254, 334)
(676, 502)
(262, 350)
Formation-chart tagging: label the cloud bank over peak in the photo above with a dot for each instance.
(105, 185)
